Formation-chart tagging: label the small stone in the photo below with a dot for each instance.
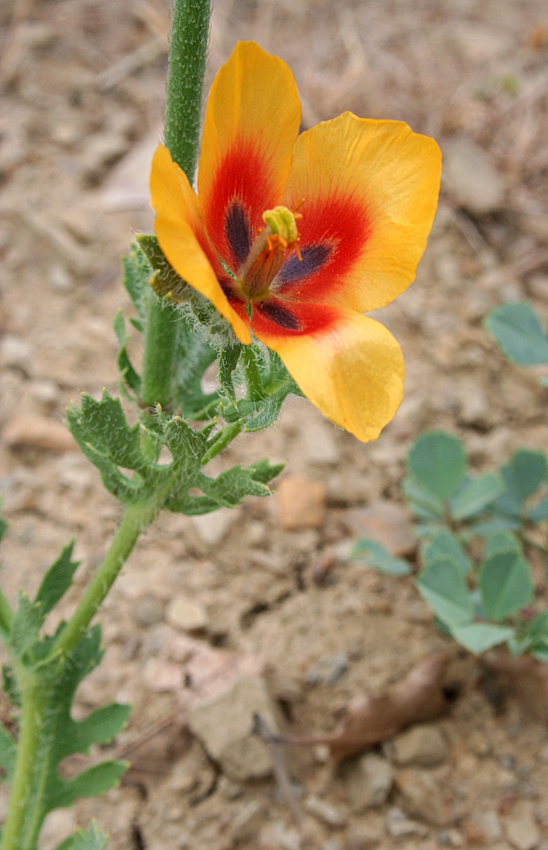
(45, 393)
(320, 447)
(58, 825)
(212, 528)
(147, 610)
(473, 405)
(368, 782)
(247, 822)
(301, 503)
(521, 830)
(35, 432)
(538, 286)
(186, 615)
(489, 823)
(421, 796)
(364, 838)
(398, 825)
(387, 523)
(59, 278)
(15, 353)
(422, 746)
(278, 836)
(471, 177)
(228, 789)
(450, 838)
(225, 725)
(325, 812)
(163, 676)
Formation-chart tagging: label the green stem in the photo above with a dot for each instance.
(185, 81)
(16, 834)
(224, 437)
(134, 521)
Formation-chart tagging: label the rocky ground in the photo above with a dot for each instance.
(262, 608)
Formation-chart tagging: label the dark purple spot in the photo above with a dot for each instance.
(228, 289)
(313, 259)
(237, 232)
(281, 316)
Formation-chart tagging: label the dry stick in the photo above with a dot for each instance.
(281, 773)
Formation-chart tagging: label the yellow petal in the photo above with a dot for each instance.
(371, 191)
(252, 120)
(349, 366)
(182, 237)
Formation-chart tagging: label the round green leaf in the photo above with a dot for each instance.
(444, 589)
(437, 461)
(505, 584)
(519, 333)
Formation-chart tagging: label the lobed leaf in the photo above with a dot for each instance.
(57, 581)
(88, 839)
(476, 495)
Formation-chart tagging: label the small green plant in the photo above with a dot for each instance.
(519, 334)
(477, 537)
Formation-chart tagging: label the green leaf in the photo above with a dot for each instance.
(539, 512)
(479, 637)
(522, 475)
(495, 525)
(8, 752)
(57, 581)
(26, 624)
(476, 494)
(137, 273)
(128, 376)
(444, 589)
(164, 280)
(444, 545)
(505, 583)
(228, 361)
(422, 503)
(437, 461)
(3, 525)
(89, 783)
(519, 333)
(227, 490)
(99, 727)
(379, 558)
(89, 839)
(502, 541)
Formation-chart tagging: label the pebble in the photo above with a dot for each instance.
(36, 432)
(368, 781)
(325, 812)
(212, 528)
(320, 447)
(521, 830)
(45, 393)
(421, 746)
(538, 286)
(387, 523)
(398, 825)
(473, 408)
(147, 610)
(162, 676)
(471, 177)
(186, 615)
(421, 796)
(364, 838)
(301, 503)
(280, 837)
(15, 353)
(224, 724)
(58, 825)
(490, 825)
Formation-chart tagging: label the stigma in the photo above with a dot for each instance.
(271, 248)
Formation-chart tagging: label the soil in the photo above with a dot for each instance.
(82, 105)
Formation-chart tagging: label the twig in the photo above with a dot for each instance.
(279, 767)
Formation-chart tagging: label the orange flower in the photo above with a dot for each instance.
(298, 235)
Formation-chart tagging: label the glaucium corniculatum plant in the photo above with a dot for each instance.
(266, 271)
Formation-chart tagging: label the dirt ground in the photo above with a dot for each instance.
(82, 106)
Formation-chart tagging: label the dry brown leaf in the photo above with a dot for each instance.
(417, 698)
(524, 677)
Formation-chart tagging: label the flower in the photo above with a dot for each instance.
(294, 237)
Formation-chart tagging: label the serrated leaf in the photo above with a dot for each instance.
(137, 273)
(437, 461)
(88, 839)
(443, 587)
(444, 545)
(227, 490)
(423, 504)
(479, 637)
(57, 580)
(379, 558)
(26, 624)
(519, 333)
(8, 752)
(505, 583)
(165, 280)
(128, 375)
(89, 783)
(228, 360)
(99, 727)
(476, 495)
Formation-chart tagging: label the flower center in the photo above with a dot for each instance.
(269, 251)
